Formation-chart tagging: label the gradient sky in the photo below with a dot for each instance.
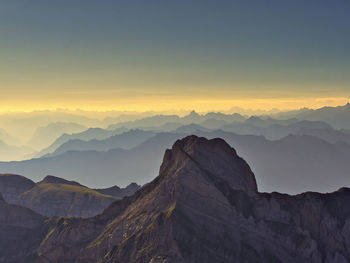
(161, 55)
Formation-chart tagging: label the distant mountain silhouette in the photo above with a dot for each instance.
(192, 117)
(126, 140)
(191, 128)
(292, 164)
(11, 153)
(9, 139)
(338, 117)
(89, 134)
(329, 135)
(272, 129)
(24, 124)
(44, 136)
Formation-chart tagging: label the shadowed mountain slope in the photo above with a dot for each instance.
(12, 185)
(21, 232)
(54, 196)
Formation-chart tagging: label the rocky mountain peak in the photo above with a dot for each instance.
(214, 157)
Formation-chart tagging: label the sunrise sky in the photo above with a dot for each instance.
(169, 55)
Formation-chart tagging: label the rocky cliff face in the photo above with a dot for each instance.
(204, 207)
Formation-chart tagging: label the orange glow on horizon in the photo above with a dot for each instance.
(167, 104)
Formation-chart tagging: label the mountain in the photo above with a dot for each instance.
(88, 135)
(329, 135)
(191, 128)
(204, 206)
(12, 153)
(273, 129)
(152, 121)
(12, 185)
(132, 138)
(24, 124)
(99, 169)
(21, 232)
(224, 117)
(267, 121)
(268, 127)
(126, 140)
(54, 196)
(44, 136)
(213, 124)
(53, 199)
(160, 120)
(9, 139)
(293, 164)
(338, 117)
(119, 192)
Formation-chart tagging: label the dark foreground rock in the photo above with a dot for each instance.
(203, 207)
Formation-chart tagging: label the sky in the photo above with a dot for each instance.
(170, 55)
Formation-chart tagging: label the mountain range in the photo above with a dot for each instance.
(204, 206)
(338, 117)
(45, 136)
(54, 196)
(293, 164)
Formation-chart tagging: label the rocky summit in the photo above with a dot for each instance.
(204, 206)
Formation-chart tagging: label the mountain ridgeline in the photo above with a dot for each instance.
(293, 164)
(54, 196)
(204, 206)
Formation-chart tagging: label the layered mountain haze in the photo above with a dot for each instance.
(88, 135)
(125, 140)
(14, 153)
(292, 164)
(204, 206)
(5, 137)
(339, 117)
(291, 154)
(45, 136)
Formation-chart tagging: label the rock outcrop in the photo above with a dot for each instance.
(204, 207)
